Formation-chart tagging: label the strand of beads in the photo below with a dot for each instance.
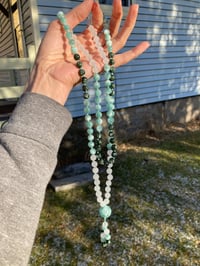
(105, 210)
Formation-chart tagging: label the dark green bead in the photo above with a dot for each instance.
(112, 140)
(111, 61)
(112, 85)
(77, 57)
(79, 64)
(111, 55)
(112, 70)
(84, 80)
(81, 72)
(85, 88)
(111, 133)
(86, 95)
(112, 93)
(112, 77)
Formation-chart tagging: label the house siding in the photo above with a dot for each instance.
(168, 70)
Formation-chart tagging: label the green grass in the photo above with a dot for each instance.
(155, 204)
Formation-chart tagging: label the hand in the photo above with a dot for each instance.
(54, 73)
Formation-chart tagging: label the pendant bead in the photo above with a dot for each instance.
(105, 212)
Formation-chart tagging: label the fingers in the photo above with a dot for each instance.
(124, 58)
(121, 38)
(97, 16)
(79, 13)
(116, 17)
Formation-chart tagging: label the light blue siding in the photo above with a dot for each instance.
(168, 70)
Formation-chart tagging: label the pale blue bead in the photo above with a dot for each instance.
(96, 76)
(107, 82)
(92, 151)
(105, 212)
(99, 121)
(106, 32)
(99, 128)
(110, 120)
(68, 35)
(88, 118)
(72, 42)
(66, 27)
(87, 109)
(110, 113)
(98, 93)
(90, 131)
(89, 124)
(106, 67)
(98, 107)
(98, 100)
(90, 137)
(107, 75)
(98, 114)
(109, 43)
(74, 50)
(109, 146)
(91, 144)
(97, 85)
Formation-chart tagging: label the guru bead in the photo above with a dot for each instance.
(105, 212)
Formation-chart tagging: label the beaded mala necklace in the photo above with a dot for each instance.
(96, 156)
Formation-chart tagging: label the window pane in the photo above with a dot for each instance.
(109, 2)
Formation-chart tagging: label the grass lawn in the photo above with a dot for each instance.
(155, 203)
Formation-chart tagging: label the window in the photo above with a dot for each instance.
(109, 2)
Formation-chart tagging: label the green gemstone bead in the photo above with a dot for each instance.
(99, 128)
(90, 131)
(112, 77)
(79, 64)
(77, 57)
(106, 67)
(97, 85)
(110, 120)
(74, 50)
(72, 42)
(111, 55)
(111, 61)
(86, 95)
(92, 151)
(96, 76)
(85, 88)
(89, 124)
(109, 146)
(112, 85)
(105, 212)
(108, 83)
(69, 35)
(98, 114)
(91, 144)
(84, 80)
(81, 72)
(98, 93)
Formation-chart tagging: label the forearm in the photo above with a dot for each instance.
(29, 145)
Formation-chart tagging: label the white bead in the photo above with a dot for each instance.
(95, 170)
(94, 164)
(107, 231)
(110, 177)
(109, 171)
(93, 157)
(100, 201)
(108, 183)
(106, 201)
(96, 176)
(96, 182)
(107, 189)
(107, 195)
(109, 152)
(97, 188)
(98, 194)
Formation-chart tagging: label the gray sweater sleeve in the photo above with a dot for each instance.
(28, 156)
